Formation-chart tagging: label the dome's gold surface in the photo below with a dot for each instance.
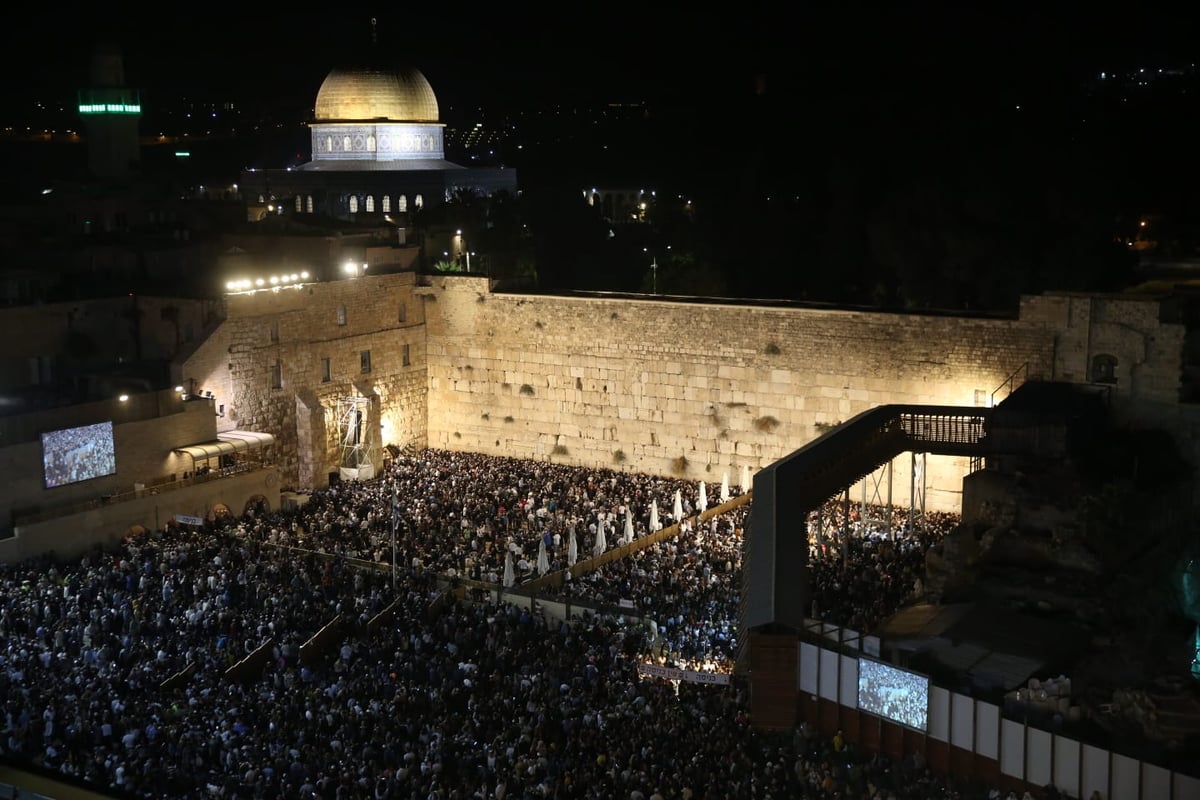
(362, 94)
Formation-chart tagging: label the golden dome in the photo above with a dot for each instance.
(402, 95)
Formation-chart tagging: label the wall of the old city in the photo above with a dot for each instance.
(697, 389)
(266, 368)
(691, 389)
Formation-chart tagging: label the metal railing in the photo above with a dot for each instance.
(160, 485)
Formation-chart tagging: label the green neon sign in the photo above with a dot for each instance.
(110, 108)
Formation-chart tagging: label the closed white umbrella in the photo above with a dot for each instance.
(601, 542)
(628, 525)
(703, 498)
(572, 548)
(745, 479)
(654, 524)
(543, 563)
(678, 513)
(725, 488)
(509, 577)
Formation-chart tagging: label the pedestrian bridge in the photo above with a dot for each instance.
(775, 582)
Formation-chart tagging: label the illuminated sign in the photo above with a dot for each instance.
(110, 108)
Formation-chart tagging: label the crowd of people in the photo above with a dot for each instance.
(121, 669)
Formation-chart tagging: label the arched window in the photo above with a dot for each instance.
(309, 204)
(346, 144)
(418, 202)
(261, 199)
(402, 203)
(341, 314)
(328, 144)
(370, 204)
(1104, 369)
(353, 204)
(371, 144)
(299, 201)
(387, 204)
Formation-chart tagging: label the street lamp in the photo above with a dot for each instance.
(462, 246)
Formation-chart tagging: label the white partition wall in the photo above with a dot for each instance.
(962, 721)
(1037, 756)
(1012, 749)
(1156, 781)
(1066, 765)
(939, 714)
(987, 730)
(828, 676)
(849, 682)
(1034, 756)
(1186, 788)
(1095, 771)
(1126, 777)
(809, 667)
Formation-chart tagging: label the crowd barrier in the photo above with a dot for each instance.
(179, 678)
(321, 641)
(554, 580)
(249, 667)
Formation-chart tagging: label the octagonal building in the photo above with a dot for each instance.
(377, 150)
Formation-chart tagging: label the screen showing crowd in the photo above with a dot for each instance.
(895, 694)
(78, 454)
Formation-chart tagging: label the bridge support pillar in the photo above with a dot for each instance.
(774, 660)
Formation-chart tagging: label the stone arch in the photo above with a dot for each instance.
(1104, 368)
(257, 506)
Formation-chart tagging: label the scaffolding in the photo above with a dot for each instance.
(356, 441)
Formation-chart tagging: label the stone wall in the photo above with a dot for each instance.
(697, 389)
(689, 389)
(265, 366)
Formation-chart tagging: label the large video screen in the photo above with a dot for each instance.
(78, 454)
(895, 694)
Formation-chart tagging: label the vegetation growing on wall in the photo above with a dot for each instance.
(767, 424)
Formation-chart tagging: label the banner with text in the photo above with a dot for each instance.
(689, 675)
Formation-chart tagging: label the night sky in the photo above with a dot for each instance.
(517, 53)
(945, 155)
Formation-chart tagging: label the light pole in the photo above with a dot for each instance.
(462, 244)
(653, 269)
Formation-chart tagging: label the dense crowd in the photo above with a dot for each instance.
(414, 697)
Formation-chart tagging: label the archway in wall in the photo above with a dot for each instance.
(257, 506)
(220, 511)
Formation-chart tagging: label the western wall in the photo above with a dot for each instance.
(660, 385)
(697, 390)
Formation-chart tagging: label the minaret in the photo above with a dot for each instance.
(110, 113)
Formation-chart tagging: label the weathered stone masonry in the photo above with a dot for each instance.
(673, 388)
